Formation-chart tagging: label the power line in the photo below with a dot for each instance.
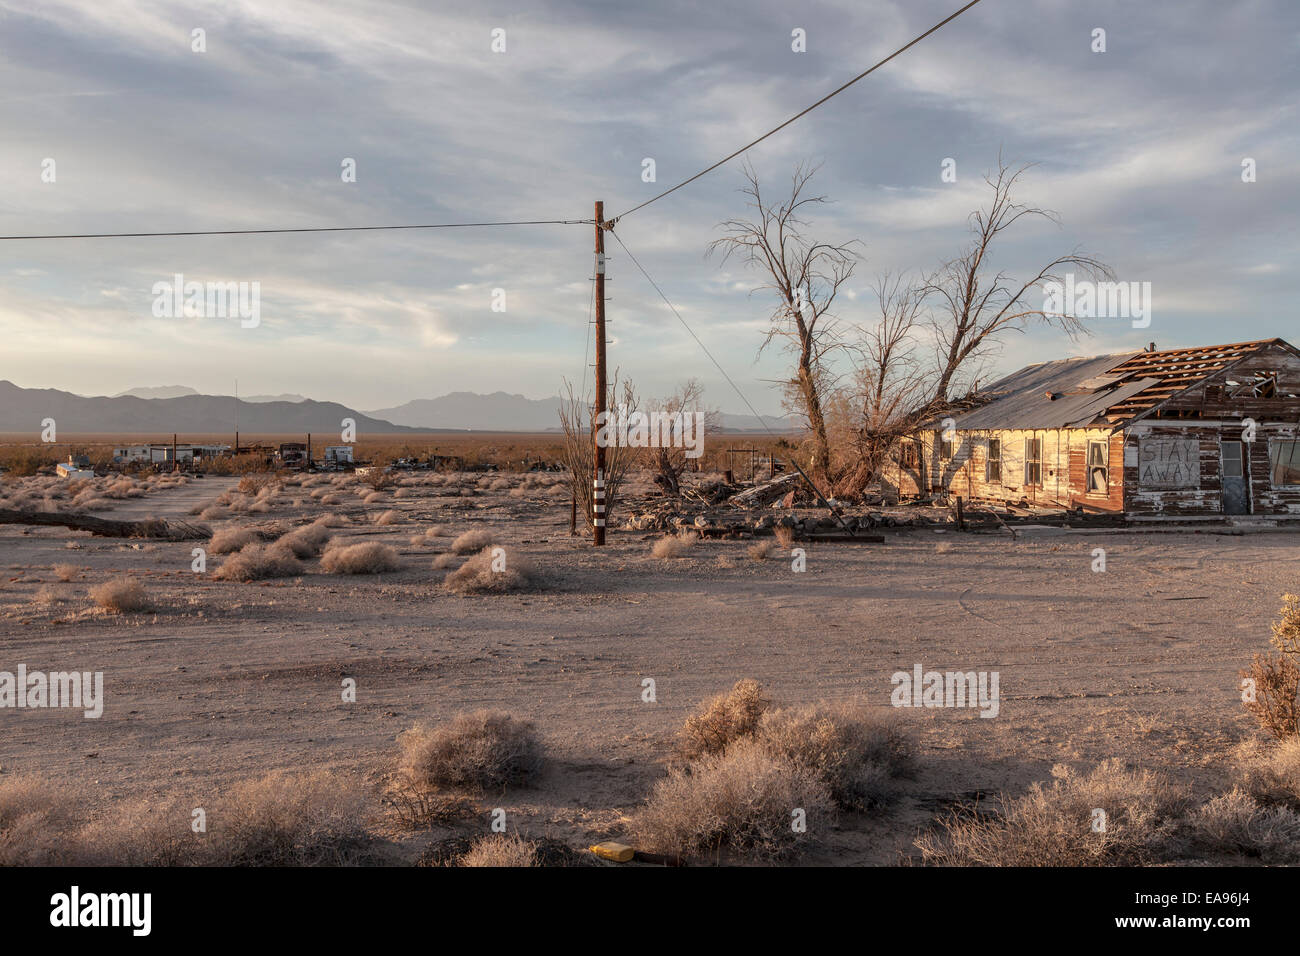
(777, 129)
(260, 232)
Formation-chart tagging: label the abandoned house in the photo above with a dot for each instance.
(1186, 432)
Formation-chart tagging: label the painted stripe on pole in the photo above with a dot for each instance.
(599, 522)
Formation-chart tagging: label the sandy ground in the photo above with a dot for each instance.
(229, 680)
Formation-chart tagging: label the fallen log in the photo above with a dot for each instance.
(173, 530)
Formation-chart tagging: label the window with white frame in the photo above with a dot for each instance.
(1098, 468)
(1033, 461)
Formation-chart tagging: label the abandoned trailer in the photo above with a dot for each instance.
(1157, 434)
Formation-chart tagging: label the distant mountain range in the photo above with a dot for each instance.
(23, 410)
(496, 412)
(179, 408)
(501, 411)
(177, 391)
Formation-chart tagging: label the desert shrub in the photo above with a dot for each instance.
(212, 512)
(784, 537)
(436, 531)
(419, 805)
(474, 540)
(255, 562)
(1271, 774)
(284, 819)
(34, 816)
(762, 550)
(498, 849)
(444, 561)
(1235, 823)
(388, 517)
(373, 496)
(380, 480)
(675, 545)
(483, 749)
(66, 572)
(369, 557)
(1277, 678)
(1053, 826)
(744, 799)
(121, 595)
(150, 832)
(501, 484)
(252, 484)
(857, 753)
(228, 540)
(307, 541)
(725, 719)
(478, 575)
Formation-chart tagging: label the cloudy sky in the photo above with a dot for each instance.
(1139, 149)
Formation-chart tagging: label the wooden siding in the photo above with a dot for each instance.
(1207, 496)
(1064, 477)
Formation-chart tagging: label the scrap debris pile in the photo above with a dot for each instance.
(718, 509)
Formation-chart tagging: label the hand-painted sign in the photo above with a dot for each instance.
(1169, 463)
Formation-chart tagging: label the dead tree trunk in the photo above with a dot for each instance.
(107, 527)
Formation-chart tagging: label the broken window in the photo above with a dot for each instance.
(1284, 462)
(1098, 468)
(1033, 461)
(945, 449)
(993, 466)
(909, 457)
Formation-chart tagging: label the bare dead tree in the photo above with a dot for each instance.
(975, 304)
(578, 421)
(805, 276)
(670, 459)
(890, 384)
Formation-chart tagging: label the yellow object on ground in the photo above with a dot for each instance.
(609, 850)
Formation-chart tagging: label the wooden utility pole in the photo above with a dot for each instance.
(598, 479)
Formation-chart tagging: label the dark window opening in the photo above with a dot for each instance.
(993, 467)
(1033, 461)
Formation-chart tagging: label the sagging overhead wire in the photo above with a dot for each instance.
(262, 232)
(801, 113)
(723, 372)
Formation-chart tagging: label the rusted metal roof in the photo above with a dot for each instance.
(1103, 390)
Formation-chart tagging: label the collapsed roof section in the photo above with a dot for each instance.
(1100, 391)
